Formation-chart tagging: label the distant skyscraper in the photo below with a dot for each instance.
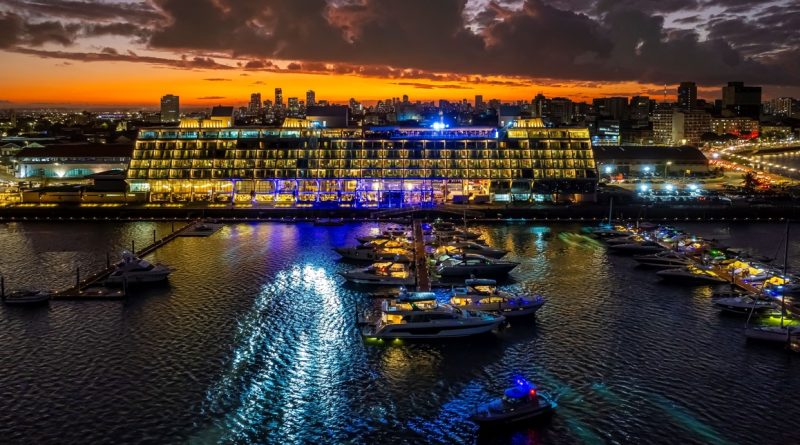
(311, 98)
(278, 97)
(13, 119)
(781, 106)
(479, 105)
(562, 110)
(539, 105)
(405, 98)
(640, 108)
(687, 96)
(170, 109)
(293, 106)
(740, 100)
(613, 107)
(254, 107)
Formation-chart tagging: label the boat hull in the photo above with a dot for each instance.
(477, 271)
(430, 331)
(776, 334)
(544, 409)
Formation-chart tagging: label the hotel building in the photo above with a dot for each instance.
(302, 163)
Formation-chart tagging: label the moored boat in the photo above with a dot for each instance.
(388, 273)
(483, 295)
(27, 297)
(472, 265)
(691, 275)
(521, 402)
(134, 270)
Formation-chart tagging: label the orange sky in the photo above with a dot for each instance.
(36, 81)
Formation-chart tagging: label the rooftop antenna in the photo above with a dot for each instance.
(665, 92)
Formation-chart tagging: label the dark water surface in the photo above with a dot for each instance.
(254, 341)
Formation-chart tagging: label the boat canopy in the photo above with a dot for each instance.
(410, 297)
(480, 282)
(521, 391)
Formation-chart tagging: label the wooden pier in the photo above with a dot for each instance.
(420, 259)
(76, 292)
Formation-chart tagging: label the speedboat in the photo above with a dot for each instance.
(134, 270)
(521, 402)
(468, 264)
(482, 295)
(473, 247)
(743, 304)
(27, 297)
(417, 315)
(637, 247)
(780, 334)
(391, 234)
(691, 275)
(667, 259)
(387, 273)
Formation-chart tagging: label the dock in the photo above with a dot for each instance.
(420, 259)
(95, 280)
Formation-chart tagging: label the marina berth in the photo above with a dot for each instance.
(483, 295)
(417, 315)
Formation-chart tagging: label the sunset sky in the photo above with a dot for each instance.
(130, 52)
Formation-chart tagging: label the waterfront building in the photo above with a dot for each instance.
(633, 161)
(741, 100)
(687, 96)
(742, 127)
(170, 109)
(70, 161)
(302, 163)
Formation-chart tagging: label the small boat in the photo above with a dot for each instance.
(27, 297)
(203, 228)
(481, 294)
(472, 247)
(521, 402)
(781, 334)
(417, 315)
(691, 275)
(637, 247)
(667, 259)
(743, 304)
(329, 222)
(134, 270)
(388, 273)
(470, 264)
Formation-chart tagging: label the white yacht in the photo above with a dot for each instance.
(417, 315)
(27, 297)
(378, 250)
(743, 304)
(691, 275)
(483, 295)
(780, 334)
(134, 270)
(637, 247)
(472, 247)
(666, 259)
(470, 264)
(386, 273)
(385, 236)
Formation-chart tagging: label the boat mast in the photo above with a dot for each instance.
(785, 265)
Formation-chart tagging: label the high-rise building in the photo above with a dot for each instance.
(170, 109)
(311, 98)
(662, 126)
(640, 108)
(405, 98)
(675, 126)
(254, 107)
(741, 100)
(562, 110)
(479, 105)
(13, 119)
(780, 106)
(687, 96)
(278, 97)
(293, 106)
(615, 108)
(539, 108)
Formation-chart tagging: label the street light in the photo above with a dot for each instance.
(665, 168)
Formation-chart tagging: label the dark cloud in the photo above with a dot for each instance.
(183, 63)
(430, 86)
(210, 97)
(217, 79)
(443, 41)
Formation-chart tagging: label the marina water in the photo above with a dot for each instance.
(254, 340)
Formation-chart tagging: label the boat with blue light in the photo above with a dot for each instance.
(522, 402)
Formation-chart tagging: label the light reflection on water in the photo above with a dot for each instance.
(254, 341)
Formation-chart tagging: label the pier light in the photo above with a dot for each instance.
(693, 187)
(646, 169)
(669, 187)
(644, 187)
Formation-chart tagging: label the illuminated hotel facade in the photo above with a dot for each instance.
(304, 164)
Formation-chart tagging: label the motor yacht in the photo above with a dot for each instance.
(637, 247)
(417, 315)
(385, 236)
(743, 304)
(691, 275)
(27, 297)
(471, 247)
(134, 270)
(780, 334)
(664, 259)
(483, 295)
(388, 273)
(470, 264)
(521, 402)
(378, 250)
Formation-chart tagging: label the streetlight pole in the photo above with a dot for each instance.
(666, 165)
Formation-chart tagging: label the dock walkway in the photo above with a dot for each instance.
(420, 259)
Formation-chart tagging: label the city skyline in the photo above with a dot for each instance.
(130, 53)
